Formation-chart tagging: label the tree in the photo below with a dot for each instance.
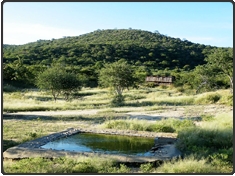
(17, 71)
(219, 66)
(118, 76)
(70, 84)
(221, 60)
(58, 81)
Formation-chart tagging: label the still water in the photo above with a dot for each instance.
(110, 144)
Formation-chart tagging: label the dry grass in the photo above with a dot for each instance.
(147, 100)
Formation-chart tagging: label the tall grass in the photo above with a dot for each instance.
(189, 165)
(65, 166)
(212, 140)
(167, 126)
(42, 101)
(33, 100)
(219, 97)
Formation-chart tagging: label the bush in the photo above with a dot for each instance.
(187, 165)
(223, 157)
(163, 128)
(226, 99)
(170, 125)
(207, 117)
(9, 88)
(150, 84)
(181, 124)
(208, 98)
(205, 140)
(146, 168)
(118, 100)
(84, 167)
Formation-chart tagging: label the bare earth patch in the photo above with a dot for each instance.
(180, 112)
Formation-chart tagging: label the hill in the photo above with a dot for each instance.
(87, 53)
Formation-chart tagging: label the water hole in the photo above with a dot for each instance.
(109, 144)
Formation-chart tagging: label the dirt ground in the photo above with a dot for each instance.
(140, 113)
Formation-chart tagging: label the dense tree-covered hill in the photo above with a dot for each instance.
(87, 53)
(136, 46)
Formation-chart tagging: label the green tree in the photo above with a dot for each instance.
(70, 84)
(219, 63)
(118, 76)
(58, 81)
(17, 71)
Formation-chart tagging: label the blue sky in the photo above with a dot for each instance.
(209, 23)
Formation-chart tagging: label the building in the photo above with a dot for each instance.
(160, 80)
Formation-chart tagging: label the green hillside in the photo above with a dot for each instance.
(85, 54)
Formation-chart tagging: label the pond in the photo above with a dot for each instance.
(110, 144)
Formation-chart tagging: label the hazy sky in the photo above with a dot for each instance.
(209, 23)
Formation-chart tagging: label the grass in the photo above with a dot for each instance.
(42, 101)
(212, 140)
(189, 165)
(167, 126)
(34, 100)
(65, 166)
(220, 97)
(208, 148)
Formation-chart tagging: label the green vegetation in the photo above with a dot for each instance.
(65, 166)
(26, 100)
(148, 53)
(189, 165)
(58, 81)
(210, 141)
(73, 68)
(118, 76)
(167, 126)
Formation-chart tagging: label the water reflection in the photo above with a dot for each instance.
(112, 144)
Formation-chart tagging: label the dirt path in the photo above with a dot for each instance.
(140, 113)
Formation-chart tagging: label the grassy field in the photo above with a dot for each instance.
(203, 123)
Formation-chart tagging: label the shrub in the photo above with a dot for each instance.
(163, 86)
(118, 100)
(181, 124)
(117, 124)
(207, 117)
(146, 168)
(133, 97)
(205, 140)
(9, 88)
(223, 157)
(84, 167)
(208, 98)
(163, 128)
(150, 84)
(187, 165)
(226, 99)
(170, 125)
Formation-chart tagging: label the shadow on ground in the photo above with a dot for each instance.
(95, 119)
(9, 143)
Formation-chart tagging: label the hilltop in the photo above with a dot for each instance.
(137, 46)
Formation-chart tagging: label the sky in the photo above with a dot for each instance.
(209, 23)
